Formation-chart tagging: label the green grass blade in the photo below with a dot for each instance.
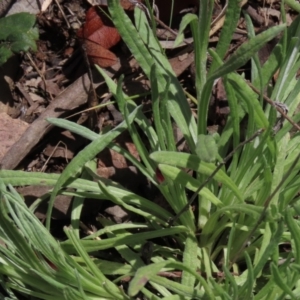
(142, 276)
(250, 278)
(156, 107)
(190, 259)
(231, 19)
(74, 127)
(280, 282)
(201, 39)
(295, 232)
(246, 51)
(127, 239)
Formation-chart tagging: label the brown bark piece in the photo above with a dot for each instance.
(180, 64)
(75, 95)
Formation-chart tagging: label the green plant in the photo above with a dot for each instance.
(232, 247)
(17, 34)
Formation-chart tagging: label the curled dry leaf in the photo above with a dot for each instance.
(98, 36)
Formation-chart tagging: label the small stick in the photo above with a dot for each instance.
(39, 72)
(63, 14)
(257, 133)
(50, 156)
(277, 107)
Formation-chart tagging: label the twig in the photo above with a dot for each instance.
(50, 156)
(63, 13)
(257, 133)
(39, 72)
(277, 107)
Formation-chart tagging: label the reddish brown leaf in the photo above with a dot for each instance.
(106, 37)
(99, 55)
(99, 35)
(92, 23)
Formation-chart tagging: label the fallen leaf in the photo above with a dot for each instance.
(30, 6)
(51, 87)
(10, 132)
(98, 36)
(45, 5)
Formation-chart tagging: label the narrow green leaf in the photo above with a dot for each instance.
(128, 239)
(250, 278)
(293, 4)
(280, 282)
(186, 20)
(295, 232)
(74, 127)
(201, 39)
(182, 289)
(156, 107)
(265, 241)
(232, 283)
(142, 276)
(231, 19)
(140, 119)
(77, 203)
(246, 51)
(270, 67)
(190, 259)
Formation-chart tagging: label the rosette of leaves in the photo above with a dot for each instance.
(17, 34)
